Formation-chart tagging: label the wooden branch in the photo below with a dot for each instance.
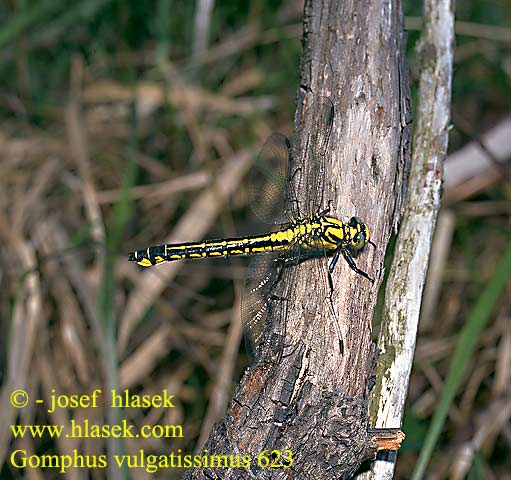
(308, 392)
(387, 438)
(408, 271)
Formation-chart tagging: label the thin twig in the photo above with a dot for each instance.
(202, 23)
(190, 116)
(73, 324)
(29, 201)
(245, 39)
(503, 363)
(181, 96)
(184, 183)
(26, 317)
(439, 253)
(143, 361)
(78, 145)
(494, 33)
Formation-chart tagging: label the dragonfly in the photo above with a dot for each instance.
(298, 233)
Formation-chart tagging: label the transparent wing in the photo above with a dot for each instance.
(321, 126)
(273, 189)
(268, 181)
(261, 284)
(309, 171)
(266, 280)
(266, 288)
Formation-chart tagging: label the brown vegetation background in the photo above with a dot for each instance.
(128, 124)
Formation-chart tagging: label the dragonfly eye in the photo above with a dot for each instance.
(359, 240)
(355, 222)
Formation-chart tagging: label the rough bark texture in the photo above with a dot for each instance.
(308, 392)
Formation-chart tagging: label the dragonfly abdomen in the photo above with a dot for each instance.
(214, 248)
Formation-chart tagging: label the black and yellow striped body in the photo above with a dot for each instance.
(316, 233)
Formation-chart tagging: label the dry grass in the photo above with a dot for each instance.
(177, 328)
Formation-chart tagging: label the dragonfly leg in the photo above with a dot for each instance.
(281, 264)
(326, 210)
(330, 283)
(334, 260)
(353, 266)
(297, 170)
(331, 267)
(293, 198)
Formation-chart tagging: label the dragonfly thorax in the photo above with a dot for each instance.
(336, 234)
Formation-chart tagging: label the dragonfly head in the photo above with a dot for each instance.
(359, 233)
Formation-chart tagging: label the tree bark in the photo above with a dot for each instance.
(308, 392)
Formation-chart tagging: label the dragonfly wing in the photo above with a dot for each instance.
(275, 178)
(321, 127)
(267, 279)
(309, 171)
(261, 283)
(268, 181)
